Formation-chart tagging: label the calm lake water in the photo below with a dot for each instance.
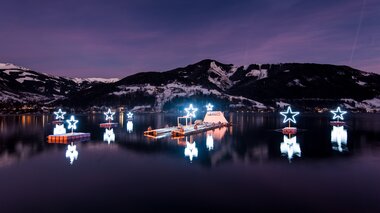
(248, 167)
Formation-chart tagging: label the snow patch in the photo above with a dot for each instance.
(260, 74)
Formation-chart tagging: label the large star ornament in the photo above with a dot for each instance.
(72, 123)
(209, 107)
(59, 114)
(338, 113)
(289, 115)
(129, 115)
(109, 115)
(191, 111)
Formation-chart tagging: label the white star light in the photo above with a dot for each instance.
(338, 113)
(191, 111)
(209, 107)
(72, 123)
(129, 115)
(59, 114)
(289, 115)
(109, 115)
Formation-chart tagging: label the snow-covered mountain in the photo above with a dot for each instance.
(252, 87)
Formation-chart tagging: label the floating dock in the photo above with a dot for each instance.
(108, 125)
(156, 132)
(194, 129)
(289, 130)
(69, 137)
(337, 123)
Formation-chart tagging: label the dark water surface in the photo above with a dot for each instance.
(243, 168)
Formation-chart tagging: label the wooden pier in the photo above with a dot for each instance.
(182, 131)
(156, 132)
(69, 137)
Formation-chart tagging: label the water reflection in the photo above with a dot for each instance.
(210, 142)
(59, 129)
(290, 148)
(191, 150)
(339, 139)
(109, 136)
(72, 153)
(129, 126)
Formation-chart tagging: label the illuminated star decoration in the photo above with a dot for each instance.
(191, 111)
(338, 114)
(209, 107)
(129, 115)
(72, 123)
(109, 115)
(59, 114)
(289, 115)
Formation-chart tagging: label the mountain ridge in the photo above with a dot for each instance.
(253, 87)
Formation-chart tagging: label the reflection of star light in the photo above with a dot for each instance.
(72, 123)
(338, 113)
(209, 107)
(339, 138)
(59, 114)
(290, 147)
(130, 126)
(72, 153)
(289, 115)
(191, 111)
(129, 115)
(109, 114)
(191, 150)
(59, 129)
(210, 142)
(109, 136)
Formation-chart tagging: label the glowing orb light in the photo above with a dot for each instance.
(109, 136)
(210, 142)
(59, 114)
(129, 126)
(338, 114)
(59, 129)
(191, 150)
(289, 115)
(109, 115)
(72, 123)
(72, 153)
(191, 111)
(129, 115)
(290, 147)
(209, 107)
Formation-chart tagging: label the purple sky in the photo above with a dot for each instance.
(104, 38)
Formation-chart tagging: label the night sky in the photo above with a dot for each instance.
(103, 38)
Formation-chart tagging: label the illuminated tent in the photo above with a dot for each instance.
(215, 117)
